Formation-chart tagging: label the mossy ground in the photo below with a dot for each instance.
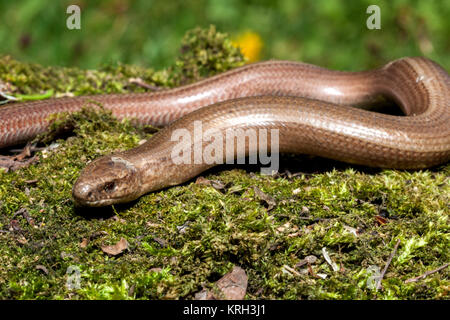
(185, 238)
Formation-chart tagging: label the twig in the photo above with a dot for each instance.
(423, 276)
(32, 148)
(141, 83)
(387, 265)
(6, 98)
(24, 213)
(290, 270)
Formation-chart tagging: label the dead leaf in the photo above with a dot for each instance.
(117, 248)
(23, 159)
(84, 243)
(12, 165)
(380, 220)
(26, 153)
(234, 284)
(202, 181)
(216, 184)
(231, 286)
(265, 197)
(205, 294)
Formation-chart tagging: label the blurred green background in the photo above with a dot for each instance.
(330, 33)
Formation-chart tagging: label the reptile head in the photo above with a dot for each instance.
(106, 181)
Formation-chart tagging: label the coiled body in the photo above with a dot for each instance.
(309, 105)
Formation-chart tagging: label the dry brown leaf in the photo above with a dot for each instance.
(21, 160)
(84, 243)
(265, 197)
(216, 184)
(234, 284)
(231, 286)
(205, 294)
(117, 248)
(380, 220)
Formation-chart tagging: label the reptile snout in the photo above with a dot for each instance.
(107, 180)
(83, 193)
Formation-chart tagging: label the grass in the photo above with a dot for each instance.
(184, 238)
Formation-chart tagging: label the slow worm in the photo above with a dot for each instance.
(311, 107)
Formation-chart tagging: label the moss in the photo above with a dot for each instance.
(186, 237)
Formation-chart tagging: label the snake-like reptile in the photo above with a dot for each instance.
(312, 107)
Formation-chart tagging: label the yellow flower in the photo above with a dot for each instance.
(250, 44)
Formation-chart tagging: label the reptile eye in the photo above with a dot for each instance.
(109, 186)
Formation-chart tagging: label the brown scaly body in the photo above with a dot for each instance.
(308, 104)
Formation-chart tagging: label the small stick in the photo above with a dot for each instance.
(141, 83)
(6, 98)
(423, 276)
(387, 264)
(291, 270)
